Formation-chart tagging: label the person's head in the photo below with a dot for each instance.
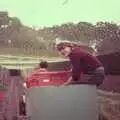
(43, 64)
(65, 48)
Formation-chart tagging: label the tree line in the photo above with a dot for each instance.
(104, 36)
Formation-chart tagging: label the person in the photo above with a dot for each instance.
(82, 62)
(42, 67)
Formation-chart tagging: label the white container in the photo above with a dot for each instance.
(75, 102)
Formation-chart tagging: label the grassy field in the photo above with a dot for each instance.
(109, 105)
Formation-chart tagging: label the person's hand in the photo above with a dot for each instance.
(56, 85)
(61, 85)
(68, 82)
(65, 84)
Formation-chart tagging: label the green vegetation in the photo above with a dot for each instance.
(18, 39)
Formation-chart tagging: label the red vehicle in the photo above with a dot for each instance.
(47, 78)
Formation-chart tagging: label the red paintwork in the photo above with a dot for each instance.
(47, 78)
(2, 95)
(38, 78)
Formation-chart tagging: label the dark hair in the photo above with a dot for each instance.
(43, 64)
(61, 46)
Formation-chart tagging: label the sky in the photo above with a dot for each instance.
(41, 13)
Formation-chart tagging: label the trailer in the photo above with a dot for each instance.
(48, 100)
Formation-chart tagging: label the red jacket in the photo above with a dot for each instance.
(82, 62)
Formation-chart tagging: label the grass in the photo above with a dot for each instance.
(109, 105)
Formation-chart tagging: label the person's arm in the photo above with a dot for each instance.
(68, 81)
(76, 69)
